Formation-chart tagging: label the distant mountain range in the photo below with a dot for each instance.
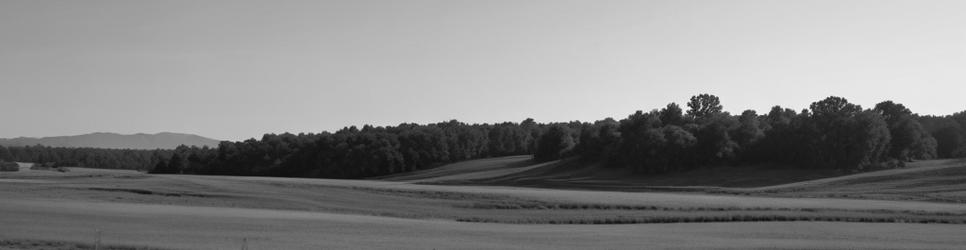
(115, 141)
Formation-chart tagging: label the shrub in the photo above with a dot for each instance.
(9, 167)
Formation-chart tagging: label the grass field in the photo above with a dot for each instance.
(490, 203)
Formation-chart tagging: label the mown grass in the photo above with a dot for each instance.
(149, 192)
(713, 219)
(24, 244)
(587, 206)
(634, 214)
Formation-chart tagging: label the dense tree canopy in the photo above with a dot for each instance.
(371, 151)
(910, 140)
(949, 133)
(833, 133)
(85, 157)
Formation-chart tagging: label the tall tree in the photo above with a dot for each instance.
(5, 154)
(555, 143)
(845, 136)
(715, 142)
(892, 112)
(672, 115)
(704, 105)
(749, 129)
(834, 107)
(177, 164)
(598, 141)
(909, 139)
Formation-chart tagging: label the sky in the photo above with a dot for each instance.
(233, 70)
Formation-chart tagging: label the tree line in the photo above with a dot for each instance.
(355, 153)
(86, 157)
(831, 134)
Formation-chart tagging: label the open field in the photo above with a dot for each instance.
(224, 228)
(218, 212)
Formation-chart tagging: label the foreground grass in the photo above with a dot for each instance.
(24, 244)
(723, 217)
(185, 227)
(571, 213)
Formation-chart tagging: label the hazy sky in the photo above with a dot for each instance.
(238, 69)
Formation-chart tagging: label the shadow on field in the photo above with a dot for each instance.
(574, 174)
(149, 192)
(932, 180)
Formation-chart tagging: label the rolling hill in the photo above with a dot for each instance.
(930, 180)
(134, 210)
(115, 141)
(489, 204)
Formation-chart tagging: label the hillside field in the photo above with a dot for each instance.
(505, 203)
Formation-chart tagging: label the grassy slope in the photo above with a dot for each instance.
(572, 174)
(291, 213)
(934, 180)
(407, 200)
(184, 227)
(468, 170)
